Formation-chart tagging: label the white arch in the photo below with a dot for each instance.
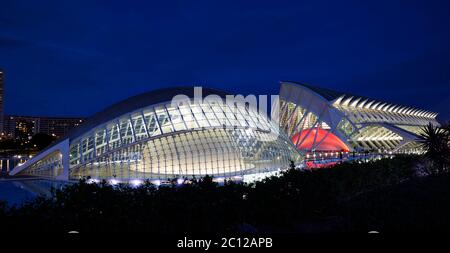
(361, 104)
(355, 102)
(381, 106)
(347, 101)
(374, 106)
(386, 107)
(338, 100)
(367, 106)
(401, 110)
(397, 109)
(408, 112)
(394, 109)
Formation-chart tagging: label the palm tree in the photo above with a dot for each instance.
(435, 141)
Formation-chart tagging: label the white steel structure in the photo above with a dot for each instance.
(146, 137)
(318, 119)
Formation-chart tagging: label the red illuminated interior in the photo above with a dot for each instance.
(313, 165)
(331, 142)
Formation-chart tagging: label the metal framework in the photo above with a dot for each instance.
(161, 142)
(147, 137)
(362, 124)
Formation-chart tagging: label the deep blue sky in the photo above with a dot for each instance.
(74, 58)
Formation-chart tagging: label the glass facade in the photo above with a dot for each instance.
(308, 131)
(50, 166)
(165, 142)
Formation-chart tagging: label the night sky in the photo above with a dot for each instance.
(73, 58)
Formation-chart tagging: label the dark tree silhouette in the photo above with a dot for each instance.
(276, 204)
(435, 140)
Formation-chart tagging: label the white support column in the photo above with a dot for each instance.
(326, 135)
(315, 136)
(294, 129)
(133, 129)
(64, 149)
(308, 133)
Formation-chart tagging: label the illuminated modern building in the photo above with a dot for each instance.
(147, 137)
(322, 120)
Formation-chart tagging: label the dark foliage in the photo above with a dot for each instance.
(436, 141)
(418, 206)
(347, 197)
